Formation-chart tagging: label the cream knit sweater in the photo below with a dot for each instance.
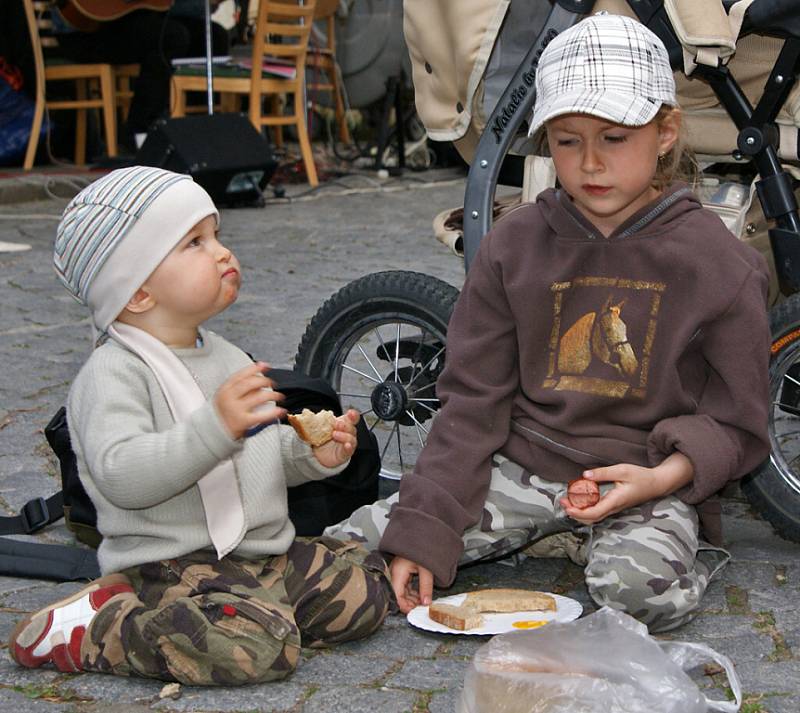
(140, 468)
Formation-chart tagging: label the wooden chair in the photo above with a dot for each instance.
(87, 77)
(124, 75)
(282, 32)
(322, 59)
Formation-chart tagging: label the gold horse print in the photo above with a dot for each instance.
(598, 352)
(602, 335)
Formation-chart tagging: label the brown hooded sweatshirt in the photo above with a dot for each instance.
(568, 350)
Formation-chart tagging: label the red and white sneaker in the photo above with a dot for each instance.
(55, 633)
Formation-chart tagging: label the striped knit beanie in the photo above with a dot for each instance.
(117, 230)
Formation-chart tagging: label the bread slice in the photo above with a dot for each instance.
(509, 600)
(460, 618)
(316, 429)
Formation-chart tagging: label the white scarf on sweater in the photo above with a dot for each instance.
(219, 488)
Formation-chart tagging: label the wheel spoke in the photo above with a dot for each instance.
(360, 373)
(792, 379)
(399, 450)
(786, 406)
(415, 359)
(383, 346)
(421, 371)
(355, 396)
(425, 406)
(427, 386)
(389, 440)
(419, 435)
(369, 361)
(397, 353)
(419, 425)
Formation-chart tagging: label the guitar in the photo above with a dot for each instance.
(86, 15)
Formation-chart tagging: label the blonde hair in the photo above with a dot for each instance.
(679, 163)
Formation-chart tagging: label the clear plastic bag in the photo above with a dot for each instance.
(604, 663)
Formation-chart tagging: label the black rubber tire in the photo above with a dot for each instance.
(774, 488)
(383, 301)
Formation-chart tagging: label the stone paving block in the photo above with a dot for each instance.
(336, 668)
(15, 702)
(714, 598)
(13, 675)
(394, 643)
(360, 700)
(772, 677)
(102, 687)
(272, 697)
(756, 540)
(29, 600)
(781, 704)
(427, 675)
(445, 702)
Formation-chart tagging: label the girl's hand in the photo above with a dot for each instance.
(338, 451)
(633, 485)
(401, 572)
(237, 401)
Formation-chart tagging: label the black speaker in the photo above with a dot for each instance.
(222, 152)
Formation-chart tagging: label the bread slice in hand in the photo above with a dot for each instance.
(316, 429)
(460, 618)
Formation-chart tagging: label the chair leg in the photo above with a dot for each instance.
(107, 92)
(305, 143)
(36, 127)
(177, 99)
(80, 126)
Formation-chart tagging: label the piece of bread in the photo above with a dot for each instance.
(316, 429)
(460, 618)
(468, 614)
(509, 600)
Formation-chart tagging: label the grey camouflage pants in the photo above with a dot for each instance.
(647, 561)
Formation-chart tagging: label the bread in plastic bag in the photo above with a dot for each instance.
(604, 663)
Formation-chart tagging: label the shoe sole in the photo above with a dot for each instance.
(41, 621)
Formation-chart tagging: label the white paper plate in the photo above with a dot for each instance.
(566, 610)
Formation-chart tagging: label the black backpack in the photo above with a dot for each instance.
(312, 506)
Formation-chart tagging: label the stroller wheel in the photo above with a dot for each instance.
(774, 488)
(380, 342)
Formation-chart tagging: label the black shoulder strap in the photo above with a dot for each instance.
(63, 563)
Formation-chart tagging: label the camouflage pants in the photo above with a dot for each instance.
(647, 561)
(203, 621)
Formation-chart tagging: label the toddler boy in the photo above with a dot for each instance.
(204, 581)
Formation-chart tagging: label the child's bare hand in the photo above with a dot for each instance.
(401, 572)
(633, 485)
(338, 451)
(238, 399)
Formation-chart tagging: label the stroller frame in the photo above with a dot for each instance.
(404, 393)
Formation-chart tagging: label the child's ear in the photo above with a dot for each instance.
(669, 128)
(142, 301)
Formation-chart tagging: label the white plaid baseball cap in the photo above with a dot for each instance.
(608, 66)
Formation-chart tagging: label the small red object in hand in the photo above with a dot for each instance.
(583, 493)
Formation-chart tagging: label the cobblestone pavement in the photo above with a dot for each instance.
(294, 256)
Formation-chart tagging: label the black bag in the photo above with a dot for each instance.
(312, 506)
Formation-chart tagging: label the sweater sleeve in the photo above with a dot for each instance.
(111, 418)
(299, 463)
(445, 493)
(727, 435)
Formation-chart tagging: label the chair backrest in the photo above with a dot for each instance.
(37, 14)
(282, 32)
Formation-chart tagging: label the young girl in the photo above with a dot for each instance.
(613, 330)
